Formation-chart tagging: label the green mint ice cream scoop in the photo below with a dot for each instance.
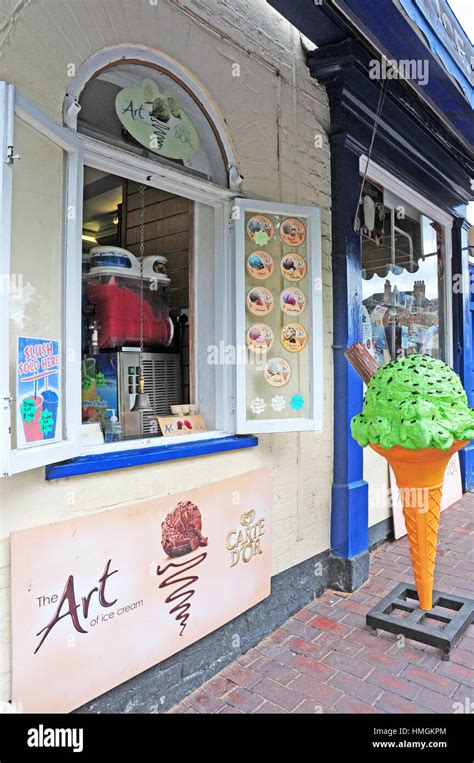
(415, 402)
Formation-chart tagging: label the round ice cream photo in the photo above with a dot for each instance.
(260, 229)
(260, 337)
(259, 301)
(293, 231)
(292, 301)
(293, 267)
(260, 265)
(277, 372)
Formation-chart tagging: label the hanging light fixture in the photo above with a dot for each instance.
(142, 401)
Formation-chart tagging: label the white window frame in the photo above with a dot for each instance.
(18, 460)
(316, 372)
(120, 162)
(378, 174)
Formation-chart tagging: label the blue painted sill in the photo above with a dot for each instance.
(105, 462)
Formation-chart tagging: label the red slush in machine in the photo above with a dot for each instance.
(113, 286)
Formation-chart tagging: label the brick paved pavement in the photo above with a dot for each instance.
(325, 659)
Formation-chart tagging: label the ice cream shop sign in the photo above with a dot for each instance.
(150, 578)
(156, 120)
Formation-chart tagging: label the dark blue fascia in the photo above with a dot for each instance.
(410, 143)
(386, 27)
(106, 462)
(381, 27)
(319, 23)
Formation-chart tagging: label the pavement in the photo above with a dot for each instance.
(324, 659)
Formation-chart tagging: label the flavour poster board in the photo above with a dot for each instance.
(98, 599)
(278, 317)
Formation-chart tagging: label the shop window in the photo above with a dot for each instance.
(403, 268)
(135, 273)
(127, 317)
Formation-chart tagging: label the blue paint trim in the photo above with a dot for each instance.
(350, 519)
(437, 43)
(105, 462)
(463, 315)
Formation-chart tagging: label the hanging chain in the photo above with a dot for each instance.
(142, 254)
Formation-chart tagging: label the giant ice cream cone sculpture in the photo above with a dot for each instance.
(415, 415)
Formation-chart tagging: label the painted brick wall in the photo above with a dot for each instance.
(274, 113)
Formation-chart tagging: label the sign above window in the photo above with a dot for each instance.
(156, 120)
(444, 37)
(149, 112)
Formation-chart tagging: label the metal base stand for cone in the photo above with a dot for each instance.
(441, 627)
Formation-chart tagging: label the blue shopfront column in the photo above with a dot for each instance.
(463, 325)
(349, 511)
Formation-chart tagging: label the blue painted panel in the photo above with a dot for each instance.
(463, 332)
(124, 459)
(349, 510)
(316, 20)
(424, 14)
(350, 519)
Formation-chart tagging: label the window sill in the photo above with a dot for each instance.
(123, 459)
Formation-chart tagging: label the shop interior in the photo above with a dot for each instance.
(136, 265)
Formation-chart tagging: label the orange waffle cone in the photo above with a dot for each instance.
(420, 477)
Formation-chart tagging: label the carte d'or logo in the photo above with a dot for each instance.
(247, 518)
(244, 542)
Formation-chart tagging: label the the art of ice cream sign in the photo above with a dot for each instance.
(156, 120)
(38, 402)
(98, 599)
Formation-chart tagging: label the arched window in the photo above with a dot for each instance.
(143, 102)
(145, 110)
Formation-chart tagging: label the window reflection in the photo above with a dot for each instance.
(402, 271)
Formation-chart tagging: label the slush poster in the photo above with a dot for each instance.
(38, 391)
(100, 598)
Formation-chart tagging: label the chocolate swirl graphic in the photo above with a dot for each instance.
(183, 590)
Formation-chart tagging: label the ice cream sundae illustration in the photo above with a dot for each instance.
(416, 415)
(181, 530)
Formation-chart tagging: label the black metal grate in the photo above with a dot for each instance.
(441, 627)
